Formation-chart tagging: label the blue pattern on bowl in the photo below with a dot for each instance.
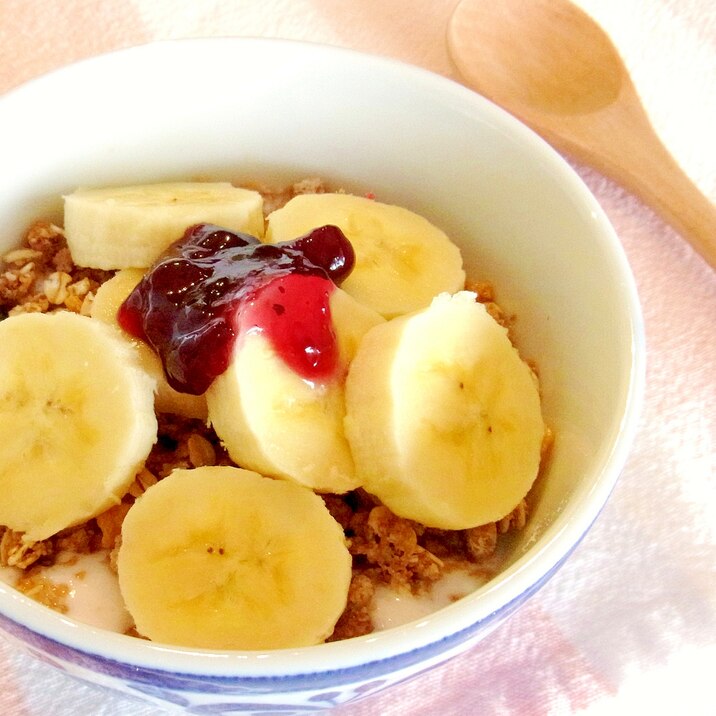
(312, 691)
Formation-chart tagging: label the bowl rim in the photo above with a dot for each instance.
(415, 640)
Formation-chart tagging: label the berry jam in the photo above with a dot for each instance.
(213, 285)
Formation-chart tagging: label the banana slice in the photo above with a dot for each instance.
(106, 303)
(128, 227)
(351, 321)
(443, 417)
(76, 420)
(272, 420)
(402, 260)
(223, 558)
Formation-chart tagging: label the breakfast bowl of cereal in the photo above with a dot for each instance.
(314, 368)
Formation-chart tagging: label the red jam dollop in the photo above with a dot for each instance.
(214, 285)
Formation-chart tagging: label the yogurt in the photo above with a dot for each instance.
(89, 588)
(392, 608)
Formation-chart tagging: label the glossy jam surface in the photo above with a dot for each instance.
(213, 285)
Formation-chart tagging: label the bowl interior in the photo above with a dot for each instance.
(252, 110)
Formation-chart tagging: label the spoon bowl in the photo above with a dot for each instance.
(552, 66)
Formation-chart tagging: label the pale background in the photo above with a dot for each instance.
(629, 624)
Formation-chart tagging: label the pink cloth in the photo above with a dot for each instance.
(629, 624)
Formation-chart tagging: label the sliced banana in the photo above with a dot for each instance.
(351, 321)
(109, 297)
(443, 417)
(272, 420)
(76, 420)
(223, 558)
(402, 260)
(130, 226)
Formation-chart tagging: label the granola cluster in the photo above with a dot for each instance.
(406, 555)
(275, 198)
(41, 276)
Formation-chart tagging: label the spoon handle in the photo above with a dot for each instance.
(678, 200)
(630, 152)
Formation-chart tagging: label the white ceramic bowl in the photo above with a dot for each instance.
(275, 110)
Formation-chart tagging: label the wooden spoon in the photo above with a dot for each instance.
(548, 63)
